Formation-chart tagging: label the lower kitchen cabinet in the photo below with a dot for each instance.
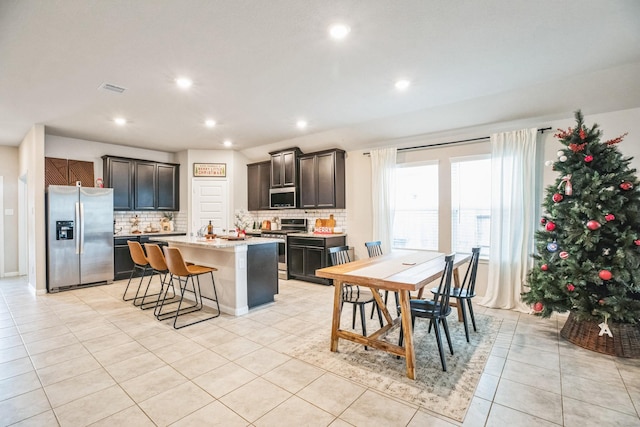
(122, 263)
(307, 254)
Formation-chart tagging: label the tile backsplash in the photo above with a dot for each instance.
(146, 218)
(340, 215)
(123, 222)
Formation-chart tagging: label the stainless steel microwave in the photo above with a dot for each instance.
(283, 198)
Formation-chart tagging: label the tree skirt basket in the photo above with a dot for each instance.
(625, 341)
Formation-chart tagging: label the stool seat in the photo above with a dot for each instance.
(186, 274)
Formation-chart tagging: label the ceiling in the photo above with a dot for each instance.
(259, 66)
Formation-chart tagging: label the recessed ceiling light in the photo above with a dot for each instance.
(184, 82)
(210, 123)
(339, 31)
(227, 143)
(120, 121)
(402, 84)
(301, 124)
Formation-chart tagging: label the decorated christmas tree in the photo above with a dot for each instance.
(588, 247)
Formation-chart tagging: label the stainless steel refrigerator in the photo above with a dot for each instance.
(79, 236)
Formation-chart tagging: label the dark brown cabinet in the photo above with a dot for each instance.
(145, 186)
(118, 174)
(284, 168)
(258, 181)
(142, 185)
(122, 263)
(168, 196)
(322, 180)
(307, 254)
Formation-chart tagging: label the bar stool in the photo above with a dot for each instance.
(140, 262)
(159, 265)
(184, 273)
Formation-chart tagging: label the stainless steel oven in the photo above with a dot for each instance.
(287, 226)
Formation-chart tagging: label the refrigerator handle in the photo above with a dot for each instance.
(81, 228)
(77, 225)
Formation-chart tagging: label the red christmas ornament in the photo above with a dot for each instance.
(538, 306)
(637, 242)
(582, 134)
(564, 255)
(609, 217)
(626, 185)
(601, 302)
(588, 158)
(593, 225)
(605, 274)
(543, 221)
(550, 226)
(557, 197)
(570, 287)
(544, 267)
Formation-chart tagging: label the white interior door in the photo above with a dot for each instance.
(209, 203)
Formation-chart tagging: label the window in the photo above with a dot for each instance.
(416, 216)
(471, 204)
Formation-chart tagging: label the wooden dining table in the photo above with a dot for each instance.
(402, 272)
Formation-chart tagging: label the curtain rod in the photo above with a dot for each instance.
(419, 147)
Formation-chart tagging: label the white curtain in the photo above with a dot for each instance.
(383, 173)
(514, 206)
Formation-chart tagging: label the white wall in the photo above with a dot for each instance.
(236, 168)
(358, 180)
(92, 151)
(9, 166)
(31, 159)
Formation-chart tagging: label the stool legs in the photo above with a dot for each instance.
(183, 310)
(144, 269)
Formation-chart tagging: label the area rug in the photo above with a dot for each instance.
(447, 393)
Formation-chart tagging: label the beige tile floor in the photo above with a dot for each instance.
(84, 357)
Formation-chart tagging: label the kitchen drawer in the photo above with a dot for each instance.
(307, 241)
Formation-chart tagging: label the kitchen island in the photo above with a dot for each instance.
(247, 273)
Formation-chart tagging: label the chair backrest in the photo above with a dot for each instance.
(339, 255)
(175, 261)
(374, 248)
(137, 254)
(469, 282)
(155, 257)
(442, 297)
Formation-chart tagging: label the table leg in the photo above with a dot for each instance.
(410, 354)
(335, 325)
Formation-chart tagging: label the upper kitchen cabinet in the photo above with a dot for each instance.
(322, 180)
(118, 174)
(284, 168)
(142, 184)
(258, 181)
(168, 196)
(145, 186)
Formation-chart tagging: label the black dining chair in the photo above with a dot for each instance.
(466, 291)
(354, 294)
(374, 249)
(436, 310)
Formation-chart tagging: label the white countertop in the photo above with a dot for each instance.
(156, 234)
(217, 243)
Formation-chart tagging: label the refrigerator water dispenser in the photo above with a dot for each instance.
(64, 230)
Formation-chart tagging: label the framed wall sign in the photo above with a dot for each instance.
(210, 169)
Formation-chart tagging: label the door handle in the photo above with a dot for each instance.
(81, 228)
(77, 225)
